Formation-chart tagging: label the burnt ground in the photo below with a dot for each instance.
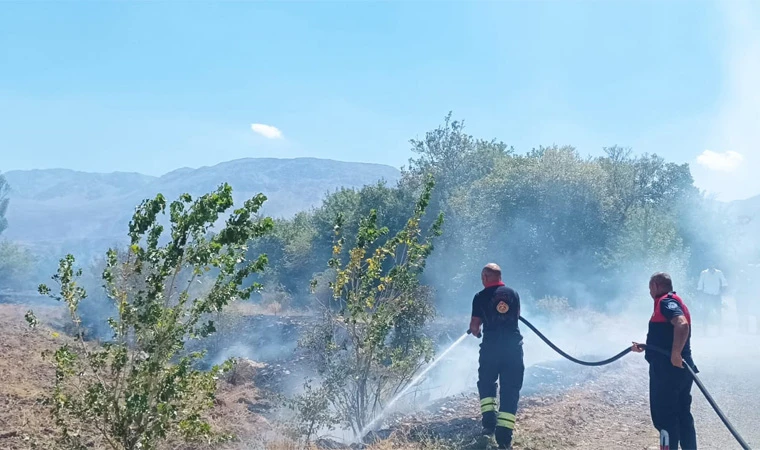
(564, 406)
(608, 407)
(589, 408)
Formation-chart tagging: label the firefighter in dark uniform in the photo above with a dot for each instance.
(497, 309)
(669, 381)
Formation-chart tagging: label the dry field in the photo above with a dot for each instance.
(608, 411)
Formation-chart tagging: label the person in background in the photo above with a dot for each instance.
(712, 285)
(669, 382)
(497, 309)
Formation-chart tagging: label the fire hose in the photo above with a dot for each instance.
(697, 381)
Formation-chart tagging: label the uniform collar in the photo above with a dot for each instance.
(494, 284)
(669, 294)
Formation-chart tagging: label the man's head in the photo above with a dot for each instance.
(490, 274)
(660, 284)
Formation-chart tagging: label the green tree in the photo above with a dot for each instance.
(313, 412)
(453, 157)
(16, 264)
(370, 348)
(559, 223)
(457, 160)
(141, 389)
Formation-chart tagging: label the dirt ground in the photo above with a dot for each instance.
(606, 410)
(611, 410)
(26, 377)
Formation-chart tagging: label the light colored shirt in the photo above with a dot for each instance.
(711, 283)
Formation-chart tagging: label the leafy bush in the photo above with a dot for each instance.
(16, 264)
(369, 348)
(140, 389)
(313, 412)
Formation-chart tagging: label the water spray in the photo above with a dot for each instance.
(414, 382)
(664, 438)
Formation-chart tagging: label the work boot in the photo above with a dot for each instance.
(504, 437)
(489, 423)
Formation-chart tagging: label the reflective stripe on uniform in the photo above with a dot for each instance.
(487, 404)
(505, 419)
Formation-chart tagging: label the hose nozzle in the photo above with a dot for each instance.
(470, 332)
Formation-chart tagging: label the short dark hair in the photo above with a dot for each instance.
(492, 270)
(662, 280)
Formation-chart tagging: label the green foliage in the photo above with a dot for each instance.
(299, 247)
(454, 158)
(140, 388)
(559, 223)
(16, 264)
(370, 348)
(551, 216)
(313, 412)
(291, 254)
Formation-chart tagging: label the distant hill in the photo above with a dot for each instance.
(749, 207)
(60, 206)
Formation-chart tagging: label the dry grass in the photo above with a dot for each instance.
(26, 423)
(397, 442)
(401, 443)
(248, 309)
(610, 412)
(26, 377)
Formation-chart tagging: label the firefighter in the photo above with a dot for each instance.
(669, 381)
(497, 309)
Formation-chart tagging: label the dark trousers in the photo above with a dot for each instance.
(670, 403)
(712, 310)
(502, 362)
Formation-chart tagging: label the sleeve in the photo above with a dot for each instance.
(476, 311)
(517, 303)
(670, 308)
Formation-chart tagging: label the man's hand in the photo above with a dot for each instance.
(676, 360)
(475, 323)
(637, 348)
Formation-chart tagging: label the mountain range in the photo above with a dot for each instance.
(59, 208)
(55, 206)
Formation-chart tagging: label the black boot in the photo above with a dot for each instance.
(504, 437)
(489, 423)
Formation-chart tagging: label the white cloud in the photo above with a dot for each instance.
(720, 162)
(268, 131)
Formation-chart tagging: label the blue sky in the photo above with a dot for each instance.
(152, 86)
